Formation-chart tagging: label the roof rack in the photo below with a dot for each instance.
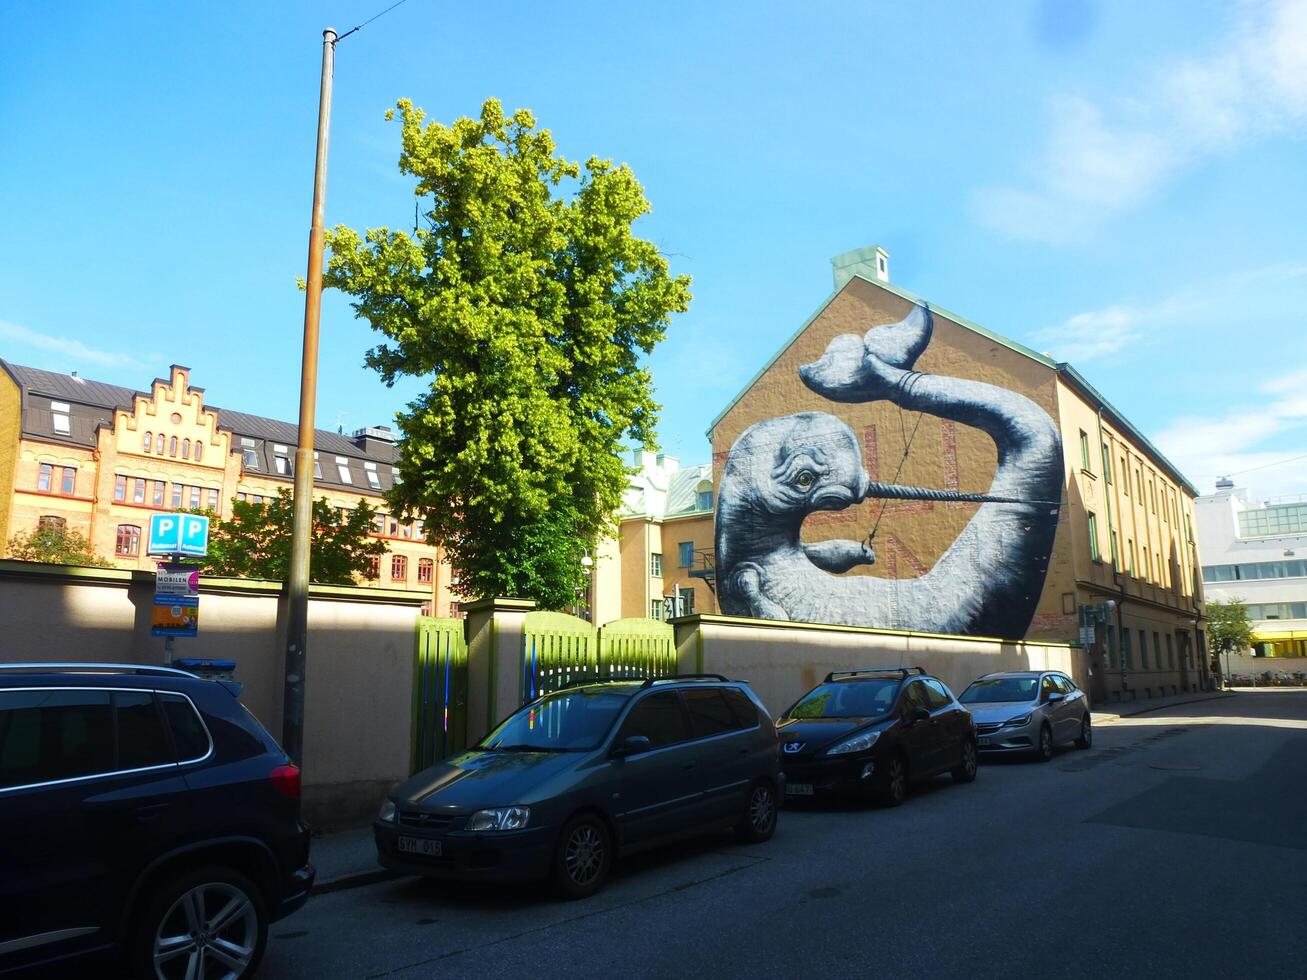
(582, 681)
(72, 668)
(901, 671)
(649, 682)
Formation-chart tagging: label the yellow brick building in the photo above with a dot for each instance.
(99, 459)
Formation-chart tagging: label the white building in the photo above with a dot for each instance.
(1256, 551)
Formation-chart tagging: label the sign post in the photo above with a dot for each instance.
(177, 585)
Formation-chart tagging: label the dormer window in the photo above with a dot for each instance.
(249, 456)
(342, 468)
(370, 471)
(282, 464)
(317, 467)
(59, 415)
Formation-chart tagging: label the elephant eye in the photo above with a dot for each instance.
(804, 480)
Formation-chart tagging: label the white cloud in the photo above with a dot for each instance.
(1101, 159)
(1209, 447)
(68, 347)
(1097, 333)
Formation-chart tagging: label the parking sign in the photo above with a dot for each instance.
(179, 534)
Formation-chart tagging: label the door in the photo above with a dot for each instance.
(920, 738)
(724, 764)
(1054, 711)
(659, 788)
(1074, 707)
(949, 723)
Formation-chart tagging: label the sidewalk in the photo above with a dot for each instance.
(346, 860)
(1128, 709)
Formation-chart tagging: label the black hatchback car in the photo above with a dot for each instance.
(574, 778)
(144, 815)
(874, 731)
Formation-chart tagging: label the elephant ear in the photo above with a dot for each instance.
(900, 344)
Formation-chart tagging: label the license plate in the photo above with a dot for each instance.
(798, 789)
(419, 845)
(984, 740)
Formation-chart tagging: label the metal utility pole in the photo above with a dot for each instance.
(297, 592)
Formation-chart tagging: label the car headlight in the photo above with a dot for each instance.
(858, 743)
(1017, 722)
(387, 812)
(500, 818)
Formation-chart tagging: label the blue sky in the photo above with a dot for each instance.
(1120, 184)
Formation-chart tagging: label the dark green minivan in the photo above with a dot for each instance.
(575, 778)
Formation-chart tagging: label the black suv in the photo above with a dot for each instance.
(144, 814)
(573, 778)
(871, 732)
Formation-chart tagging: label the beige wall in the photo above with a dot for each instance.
(606, 582)
(359, 676)
(637, 535)
(781, 661)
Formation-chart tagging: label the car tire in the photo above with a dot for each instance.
(583, 857)
(1044, 750)
(894, 781)
(759, 820)
(966, 771)
(1086, 738)
(211, 913)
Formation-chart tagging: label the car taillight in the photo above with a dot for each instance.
(286, 780)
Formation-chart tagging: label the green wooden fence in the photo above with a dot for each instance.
(439, 691)
(558, 650)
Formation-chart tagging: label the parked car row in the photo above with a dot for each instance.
(146, 815)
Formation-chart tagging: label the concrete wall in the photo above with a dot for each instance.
(359, 676)
(781, 661)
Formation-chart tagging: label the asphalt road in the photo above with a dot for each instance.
(1176, 847)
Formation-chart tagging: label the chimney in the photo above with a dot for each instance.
(374, 439)
(870, 263)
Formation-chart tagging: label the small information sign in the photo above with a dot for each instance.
(176, 615)
(173, 580)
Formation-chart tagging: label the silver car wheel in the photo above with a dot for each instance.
(584, 855)
(209, 933)
(762, 808)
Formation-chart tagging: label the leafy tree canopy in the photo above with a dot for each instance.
(255, 542)
(1228, 629)
(55, 545)
(526, 303)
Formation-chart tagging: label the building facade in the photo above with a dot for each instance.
(99, 459)
(896, 465)
(1256, 551)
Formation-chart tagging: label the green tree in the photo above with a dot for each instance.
(55, 545)
(1228, 629)
(255, 542)
(525, 304)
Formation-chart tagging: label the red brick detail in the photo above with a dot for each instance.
(718, 460)
(898, 549)
(821, 518)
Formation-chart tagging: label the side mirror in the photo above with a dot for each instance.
(919, 714)
(632, 745)
(1055, 697)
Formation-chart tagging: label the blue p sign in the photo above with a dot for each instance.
(179, 534)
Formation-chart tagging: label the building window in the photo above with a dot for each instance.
(342, 468)
(1116, 556)
(138, 490)
(282, 464)
(129, 541)
(1125, 477)
(686, 549)
(148, 441)
(199, 449)
(172, 446)
(398, 567)
(374, 567)
(687, 602)
(177, 489)
(1084, 450)
(249, 459)
(656, 609)
(425, 609)
(44, 478)
(1139, 488)
(68, 485)
(1143, 650)
(426, 569)
(59, 414)
(120, 488)
(704, 500)
(1107, 464)
(317, 467)
(49, 522)
(1125, 648)
(1152, 494)
(195, 498)
(656, 565)
(186, 449)
(1093, 538)
(159, 442)
(1130, 555)
(160, 488)
(1170, 651)
(213, 500)
(379, 524)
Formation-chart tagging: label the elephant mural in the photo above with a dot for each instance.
(780, 470)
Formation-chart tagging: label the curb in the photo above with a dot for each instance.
(355, 879)
(1110, 716)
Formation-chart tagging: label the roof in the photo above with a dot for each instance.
(92, 404)
(680, 497)
(1061, 367)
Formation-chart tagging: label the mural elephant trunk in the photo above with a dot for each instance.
(780, 470)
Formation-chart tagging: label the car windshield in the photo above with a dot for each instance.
(569, 721)
(848, 699)
(991, 689)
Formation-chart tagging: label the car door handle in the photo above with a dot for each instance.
(151, 811)
(688, 765)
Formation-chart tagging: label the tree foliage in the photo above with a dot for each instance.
(1228, 629)
(255, 541)
(526, 303)
(55, 545)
